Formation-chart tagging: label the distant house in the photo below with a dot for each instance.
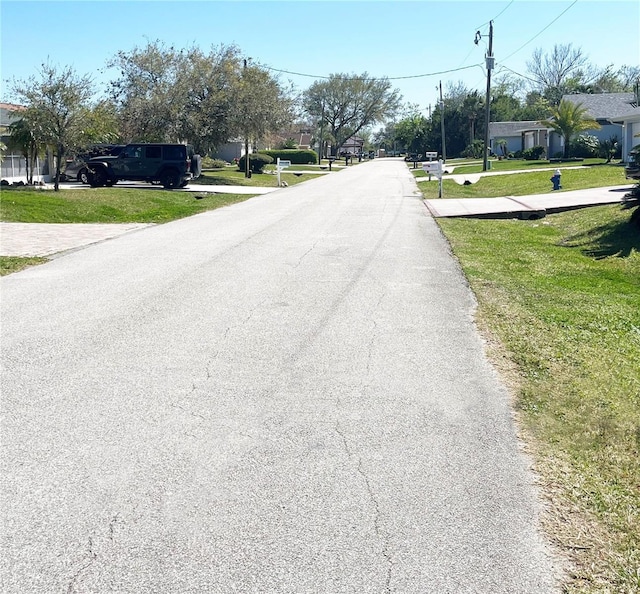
(353, 145)
(611, 110)
(520, 136)
(617, 113)
(13, 167)
(301, 137)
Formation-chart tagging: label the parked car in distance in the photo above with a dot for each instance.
(172, 165)
(76, 167)
(632, 169)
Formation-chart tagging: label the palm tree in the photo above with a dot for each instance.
(569, 119)
(22, 137)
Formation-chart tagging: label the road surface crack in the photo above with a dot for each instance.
(92, 558)
(382, 536)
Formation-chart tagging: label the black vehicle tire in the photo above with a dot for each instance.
(170, 179)
(184, 184)
(83, 176)
(110, 182)
(97, 178)
(196, 166)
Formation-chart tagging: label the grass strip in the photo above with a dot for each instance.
(10, 264)
(560, 301)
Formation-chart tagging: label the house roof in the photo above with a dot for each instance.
(8, 113)
(506, 129)
(606, 106)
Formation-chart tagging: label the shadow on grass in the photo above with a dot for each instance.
(220, 180)
(618, 238)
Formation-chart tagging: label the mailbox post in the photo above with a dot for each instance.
(435, 168)
(280, 165)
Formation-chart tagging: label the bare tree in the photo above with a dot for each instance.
(561, 71)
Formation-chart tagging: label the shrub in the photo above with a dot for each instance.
(296, 156)
(610, 149)
(474, 150)
(534, 153)
(585, 145)
(257, 162)
(209, 163)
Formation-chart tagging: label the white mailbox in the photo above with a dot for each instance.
(434, 167)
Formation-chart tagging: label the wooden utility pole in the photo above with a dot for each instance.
(490, 65)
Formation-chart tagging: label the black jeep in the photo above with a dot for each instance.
(172, 165)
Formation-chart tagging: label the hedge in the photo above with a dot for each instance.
(257, 161)
(296, 156)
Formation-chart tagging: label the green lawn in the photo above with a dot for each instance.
(106, 205)
(462, 166)
(522, 184)
(559, 300)
(233, 177)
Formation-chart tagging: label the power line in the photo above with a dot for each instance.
(495, 17)
(503, 67)
(372, 78)
(542, 30)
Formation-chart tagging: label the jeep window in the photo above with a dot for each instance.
(154, 152)
(174, 153)
(133, 152)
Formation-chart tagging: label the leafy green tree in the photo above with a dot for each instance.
(56, 105)
(411, 132)
(472, 108)
(569, 119)
(386, 137)
(164, 94)
(260, 105)
(347, 104)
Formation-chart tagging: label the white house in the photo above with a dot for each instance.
(13, 167)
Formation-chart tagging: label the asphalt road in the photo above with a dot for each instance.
(285, 395)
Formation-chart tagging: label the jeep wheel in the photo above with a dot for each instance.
(97, 178)
(170, 179)
(83, 177)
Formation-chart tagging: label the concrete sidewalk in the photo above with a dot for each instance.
(526, 207)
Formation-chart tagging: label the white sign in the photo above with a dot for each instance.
(283, 164)
(431, 155)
